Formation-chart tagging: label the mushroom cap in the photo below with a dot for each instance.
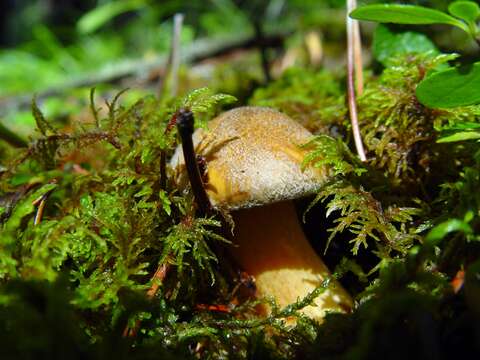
(253, 157)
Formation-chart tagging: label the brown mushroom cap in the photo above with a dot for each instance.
(253, 158)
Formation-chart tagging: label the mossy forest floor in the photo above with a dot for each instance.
(88, 217)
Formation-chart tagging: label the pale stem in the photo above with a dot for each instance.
(173, 62)
(357, 49)
(352, 105)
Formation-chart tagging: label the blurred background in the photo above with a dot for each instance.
(59, 49)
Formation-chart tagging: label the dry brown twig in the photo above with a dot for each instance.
(40, 204)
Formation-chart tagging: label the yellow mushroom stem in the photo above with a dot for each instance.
(271, 246)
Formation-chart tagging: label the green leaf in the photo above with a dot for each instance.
(466, 125)
(100, 15)
(441, 230)
(387, 45)
(465, 10)
(451, 88)
(459, 136)
(405, 14)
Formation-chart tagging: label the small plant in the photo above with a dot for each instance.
(446, 88)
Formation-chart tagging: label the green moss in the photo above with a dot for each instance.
(315, 99)
(109, 222)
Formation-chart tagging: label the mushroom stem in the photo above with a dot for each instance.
(272, 247)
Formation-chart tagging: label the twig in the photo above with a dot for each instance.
(40, 208)
(173, 62)
(185, 124)
(352, 105)
(40, 203)
(157, 279)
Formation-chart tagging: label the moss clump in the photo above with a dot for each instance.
(90, 213)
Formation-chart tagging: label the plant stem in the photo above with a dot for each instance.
(357, 51)
(352, 105)
(157, 279)
(185, 124)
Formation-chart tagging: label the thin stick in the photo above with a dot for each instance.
(185, 124)
(40, 203)
(173, 63)
(352, 105)
(40, 208)
(357, 51)
(157, 279)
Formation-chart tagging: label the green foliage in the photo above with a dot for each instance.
(387, 45)
(451, 88)
(190, 237)
(203, 101)
(325, 151)
(397, 130)
(443, 229)
(467, 11)
(405, 14)
(401, 228)
(314, 99)
(459, 132)
(106, 226)
(97, 17)
(448, 88)
(464, 204)
(364, 217)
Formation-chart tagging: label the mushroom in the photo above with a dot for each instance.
(254, 171)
